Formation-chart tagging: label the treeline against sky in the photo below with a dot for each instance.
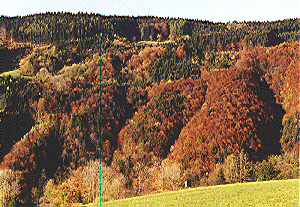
(82, 31)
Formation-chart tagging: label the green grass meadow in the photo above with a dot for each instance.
(269, 193)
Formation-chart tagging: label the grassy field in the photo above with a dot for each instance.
(14, 73)
(269, 193)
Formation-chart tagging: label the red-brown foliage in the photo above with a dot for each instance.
(279, 66)
(235, 115)
(180, 51)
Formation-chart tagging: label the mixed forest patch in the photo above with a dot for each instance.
(180, 101)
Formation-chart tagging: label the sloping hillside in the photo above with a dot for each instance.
(270, 193)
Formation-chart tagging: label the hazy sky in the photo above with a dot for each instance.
(212, 10)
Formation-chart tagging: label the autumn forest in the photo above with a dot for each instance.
(163, 104)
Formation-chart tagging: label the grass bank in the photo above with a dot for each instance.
(269, 193)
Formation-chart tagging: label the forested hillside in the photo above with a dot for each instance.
(157, 101)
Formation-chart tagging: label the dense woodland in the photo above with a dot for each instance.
(156, 101)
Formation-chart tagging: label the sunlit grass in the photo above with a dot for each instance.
(269, 193)
(15, 74)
